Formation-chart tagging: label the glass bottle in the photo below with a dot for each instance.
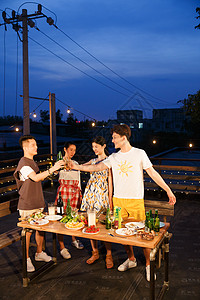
(146, 221)
(60, 209)
(59, 156)
(157, 225)
(156, 214)
(108, 219)
(68, 209)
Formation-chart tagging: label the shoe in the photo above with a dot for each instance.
(109, 261)
(42, 256)
(65, 253)
(148, 273)
(95, 256)
(77, 244)
(128, 264)
(30, 266)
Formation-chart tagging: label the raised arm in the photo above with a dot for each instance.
(41, 176)
(110, 189)
(88, 168)
(158, 179)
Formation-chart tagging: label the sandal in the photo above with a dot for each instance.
(109, 261)
(95, 256)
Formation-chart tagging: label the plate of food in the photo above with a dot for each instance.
(134, 225)
(125, 231)
(53, 217)
(74, 225)
(36, 216)
(145, 235)
(39, 222)
(91, 230)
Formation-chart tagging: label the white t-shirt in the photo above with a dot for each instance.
(70, 174)
(127, 169)
(25, 172)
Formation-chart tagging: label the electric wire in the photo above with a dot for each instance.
(77, 68)
(17, 64)
(4, 73)
(107, 67)
(75, 109)
(81, 60)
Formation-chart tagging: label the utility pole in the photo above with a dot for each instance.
(26, 20)
(26, 114)
(52, 118)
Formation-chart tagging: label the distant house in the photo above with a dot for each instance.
(169, 120)
(133, 118)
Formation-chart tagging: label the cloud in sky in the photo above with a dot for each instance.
(153, 44)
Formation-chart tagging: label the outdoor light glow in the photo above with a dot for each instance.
(154, 142)
(93, 124)
(68, 111)
(17, 129)
(34, 115)
(190, 145)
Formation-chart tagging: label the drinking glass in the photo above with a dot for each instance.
(112, 218)
(51, 208)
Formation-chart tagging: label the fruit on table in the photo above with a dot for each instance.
(92, 229)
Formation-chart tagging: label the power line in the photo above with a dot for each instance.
(4, 74)
(114, 72)
(16, 80)
(78, 68)
(83, 61)
(76, 109)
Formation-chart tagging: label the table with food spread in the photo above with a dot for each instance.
(131, 233)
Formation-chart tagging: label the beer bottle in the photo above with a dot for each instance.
(150, 214)
(149, 225)
(59, 156)
(108, 219)
(156, 214)
(157, 225)
(68, 209)
(60, 209)
(146, 221)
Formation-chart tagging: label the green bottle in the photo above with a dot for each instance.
(156, 214)
(108, 219)
(149, 225)
(150, 214)
(68, 209)
(59, 156)
(146, 221)
(157, 225)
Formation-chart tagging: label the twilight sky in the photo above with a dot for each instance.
(151, 44)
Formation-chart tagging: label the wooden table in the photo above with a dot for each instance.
(161, 241)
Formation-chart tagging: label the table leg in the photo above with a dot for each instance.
(152, 278)
(24, 258)
(166, 260)
(54, 248)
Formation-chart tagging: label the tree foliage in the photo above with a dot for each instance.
(192, 109)
(198, 11)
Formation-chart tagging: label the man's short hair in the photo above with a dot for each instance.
(25, 138)
(122, 130)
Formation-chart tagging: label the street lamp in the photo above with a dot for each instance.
(154, 142)
(190, 145)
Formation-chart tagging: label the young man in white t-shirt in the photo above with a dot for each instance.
(127, 168)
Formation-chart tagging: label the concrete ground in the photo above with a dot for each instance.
(73, 279)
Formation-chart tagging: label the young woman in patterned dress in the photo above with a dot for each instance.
(70, 188)
(98, 193)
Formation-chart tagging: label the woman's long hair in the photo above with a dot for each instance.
(100, 141)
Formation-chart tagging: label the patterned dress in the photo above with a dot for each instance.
(96, 191)
(70, 188)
